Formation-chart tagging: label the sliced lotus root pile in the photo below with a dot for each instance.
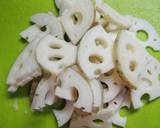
(90, 56)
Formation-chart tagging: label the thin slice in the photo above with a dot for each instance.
(114, 105)
(131, 58)
(25, 68)
(95, 52)
(45, 93)
(54, 55)
(114, 16)
(32, 33)
(138, 67)
(102, 116)
(64, 115)
(112, 85)
(78, 87)
(50, 22)
(97, 94)
(116, 118)
(78, 19)
(142, 26)
(149, 83)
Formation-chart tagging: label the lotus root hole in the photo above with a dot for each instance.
(55, 46)
(101, 42)
(43, 29)
(55, 58)
(77, 18)
(149, 72)
(105, 105)
(75, 94)
(132, 66)
(95, 59)
(98, 121)
(145, 98)
(142, 35)
(104, 85)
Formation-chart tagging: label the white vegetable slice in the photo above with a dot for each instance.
(103, 115)
(97, 94)
(70, 80)
(131, 58)
(45, 93)
(95, 52)
(114, 105)
(112, 85)
(138, 25)
(114, 16)
(116, 118)
(66, 5)
(32, 33)
(64, 115)
(149, 83)
(78, 19)
(25, 68)
(138, 67)
(51, 23)
(54, 55)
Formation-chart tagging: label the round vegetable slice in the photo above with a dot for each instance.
(138, 67)
(95, 52)
(78, 87)
(54, 55)
(78, 19)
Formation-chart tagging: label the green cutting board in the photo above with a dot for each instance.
(14, 17)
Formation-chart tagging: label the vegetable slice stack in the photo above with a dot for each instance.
(101, 67)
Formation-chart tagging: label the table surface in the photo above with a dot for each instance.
(14, 17)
